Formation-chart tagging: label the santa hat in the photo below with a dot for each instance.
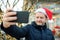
(47, 12)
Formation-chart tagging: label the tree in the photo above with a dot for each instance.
(8, 4)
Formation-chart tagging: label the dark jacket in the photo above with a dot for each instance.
(30, 32)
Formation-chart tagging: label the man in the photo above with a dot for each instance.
(37, 30)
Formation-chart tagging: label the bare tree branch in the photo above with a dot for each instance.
(7, 3)
(15, 3)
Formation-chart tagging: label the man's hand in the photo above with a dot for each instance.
(7, 18)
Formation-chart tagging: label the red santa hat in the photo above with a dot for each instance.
(47, 12)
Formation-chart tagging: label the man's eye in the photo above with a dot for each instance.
(41, 17)
(37, 17)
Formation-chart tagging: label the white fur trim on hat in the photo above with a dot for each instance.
(40, 10)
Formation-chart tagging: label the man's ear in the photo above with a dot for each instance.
(47, 19)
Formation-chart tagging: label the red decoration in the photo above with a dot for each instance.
(53, 31)
(58, 27)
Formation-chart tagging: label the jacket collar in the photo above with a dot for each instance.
(40, 27)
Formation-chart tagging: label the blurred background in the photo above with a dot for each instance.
(31, 6)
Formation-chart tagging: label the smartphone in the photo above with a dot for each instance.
(22, 16)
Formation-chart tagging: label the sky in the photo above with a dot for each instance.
(18, 6)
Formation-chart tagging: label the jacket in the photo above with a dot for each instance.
(30, 32)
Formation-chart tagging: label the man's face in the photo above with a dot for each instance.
(40, 19)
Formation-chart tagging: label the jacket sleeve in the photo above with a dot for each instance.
(15, 31)
(53, 37)
(51, 34)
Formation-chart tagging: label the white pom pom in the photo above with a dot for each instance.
(50, 21)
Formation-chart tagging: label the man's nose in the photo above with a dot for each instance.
(39, 19)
